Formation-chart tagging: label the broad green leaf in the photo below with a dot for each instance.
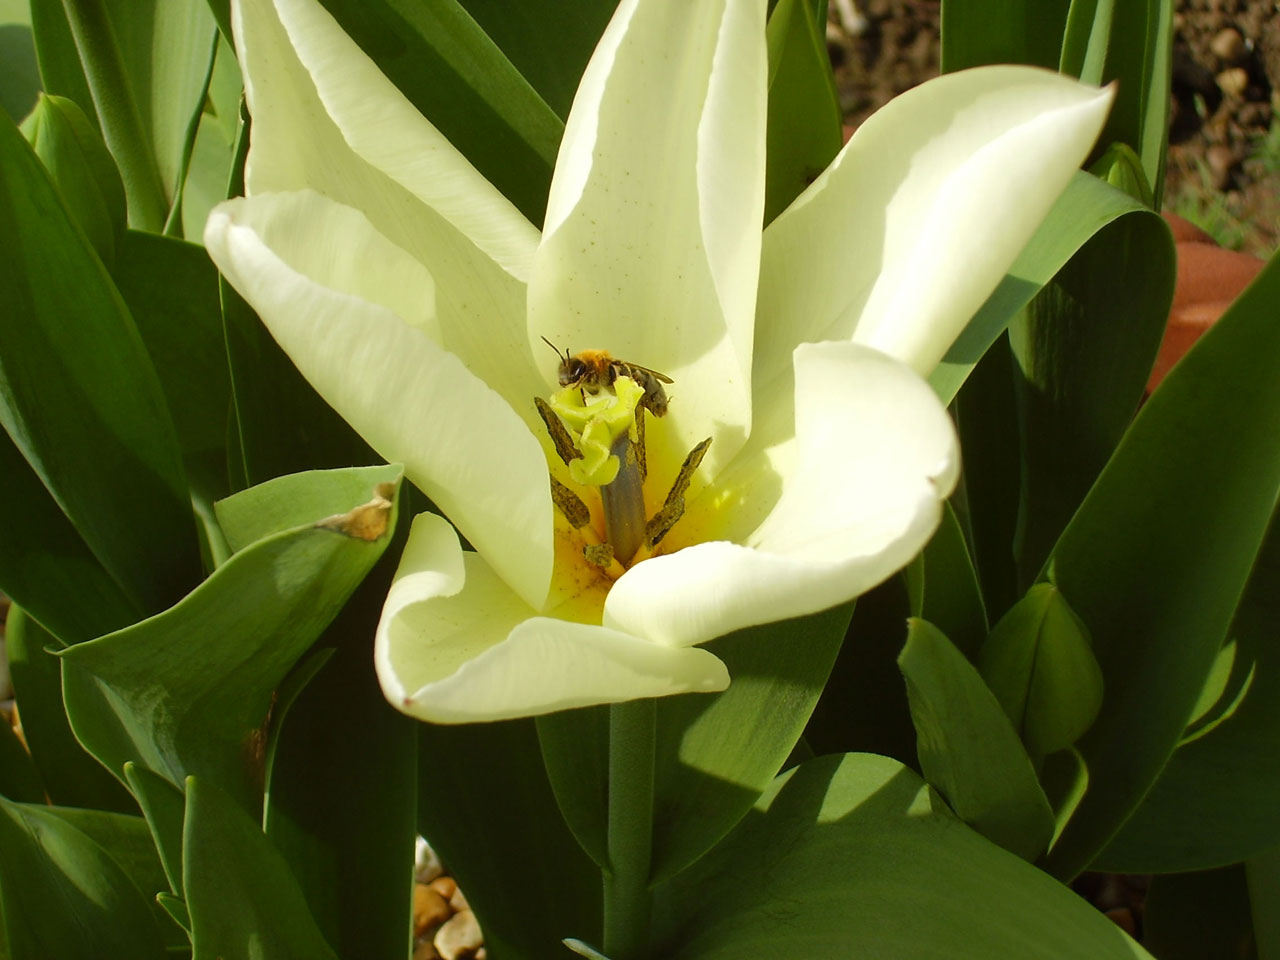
(171, 288)
(854, 856)
(1083, 351)
(575, 751)
(1085, 207)
(145, 65)
(71, 776)
(717, 752)
(164, 807)
(944, 590)
(968, 749)
(127, 840)
(1039, 664)
(458, 79)
(549, 43)
(977, 32)
(486, 804)
(1225, 776)
(188, 690)
(62, 895)
(804, 114)
(80, 166)
(45, 565)
(1200, 916)
(243, 899)
(1157, 557)
(19, 73)
(332, 768)
(1132, 43)
(67, 343)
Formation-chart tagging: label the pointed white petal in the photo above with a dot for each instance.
(651, 243)
(873, 458)
(332, 290)
(326, 119)
(455, 645)
(904, 236)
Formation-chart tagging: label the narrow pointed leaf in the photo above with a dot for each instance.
(944, 587)
(67, 342)
(968, 748)
(189, 688)
(164, 807)
(833, 847)
(243, 899)
(1159, 553)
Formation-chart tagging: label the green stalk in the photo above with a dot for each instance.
(630, 846)
(122, 127)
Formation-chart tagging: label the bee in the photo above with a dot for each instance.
(593, 370)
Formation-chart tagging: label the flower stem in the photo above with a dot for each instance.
(630, 845)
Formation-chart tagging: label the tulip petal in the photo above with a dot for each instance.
(342, 323)
(326, 119)
(904, 236)
(873, 458)
(455, 645)
(651, 244)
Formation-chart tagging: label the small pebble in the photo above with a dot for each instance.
(459, 937)
(425, 951)
(1221, 160)
(1233, 82)
(1228, 46)
(426, 865)
(429, 909)
(459, 901)
(445, 886)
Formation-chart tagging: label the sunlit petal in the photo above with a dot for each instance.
(904, 236)
(411, 400)
(651, 243)
(873, 458)
(456, 645)
(325, 118)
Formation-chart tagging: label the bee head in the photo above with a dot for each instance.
(572, 370)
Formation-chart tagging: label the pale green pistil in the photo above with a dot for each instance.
(595, 422)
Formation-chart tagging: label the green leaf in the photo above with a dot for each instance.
(213, 149)
(1085, 207)
(19, 778)
(332, 768)
(67, 343)
(243, 899)
(1131, 43)
(549, 43)
(977, 32)
(458, 79)
(1200, 916)
(804, 112)
(486, 805)
(71, 776)
(188, 690)
(967, 747)
(19, 74)
(1157, 557)
(81, 168)
(45, 565)
(56, 54)
(1039, 664)
(63, 895)
(1225, 775)
(944, 590)
(1083, 352)
(717, 752)
(171, 288)
(145, 66)
(855, 856)
(1263, 875)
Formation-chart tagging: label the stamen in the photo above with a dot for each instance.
(570, 505)
(673, 508)
(623, 501)
(556, 429)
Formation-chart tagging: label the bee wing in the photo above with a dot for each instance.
(654, 373)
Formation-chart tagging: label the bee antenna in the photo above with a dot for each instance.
(555, 348)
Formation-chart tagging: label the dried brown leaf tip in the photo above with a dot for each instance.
(367, 521)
